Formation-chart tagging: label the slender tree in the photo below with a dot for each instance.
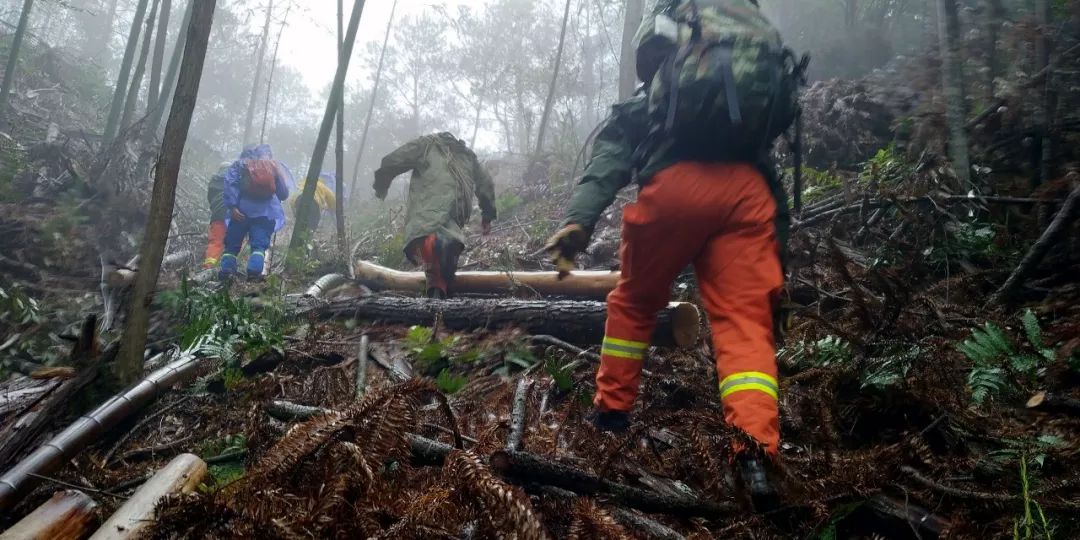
(952, 76)
(140, 69)
(634, 10)
(13, 57)
(993, 13)
(552, 85)
(1045, 114)
(270, 77)
(339, 154)
(129, 362)
(153, 93)
(170, 77)
(300, 230)
(106, 33)
(371, 102)
(120, 90)
(249, 117)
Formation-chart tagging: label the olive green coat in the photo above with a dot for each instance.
(445, 177)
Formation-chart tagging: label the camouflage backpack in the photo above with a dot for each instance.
(717, 74)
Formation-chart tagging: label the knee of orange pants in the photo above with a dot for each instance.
(756, 413)
(631, 319)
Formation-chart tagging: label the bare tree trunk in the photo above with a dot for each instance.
(13, 57)
(994, 13)
(159, 56)
(106, 34)
(249, 117)
(140, 69)
(165, 98)
(120, 90)
(635, 9)
(371, 102)
(270, 77)
(129, 362)
(1044, 172)
(952, 75)
(303, 217)
(551, 86)
(339, 156)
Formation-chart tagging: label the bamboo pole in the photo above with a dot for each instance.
(136, 516)
(584, 284)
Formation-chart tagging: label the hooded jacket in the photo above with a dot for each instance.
(254, 208)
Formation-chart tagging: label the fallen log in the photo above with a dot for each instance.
(575, 321)
(68, 515)
(1045, 401)
(89, 428)
(136, 516)
(583, 284)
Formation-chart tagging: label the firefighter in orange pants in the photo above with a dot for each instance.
(215, 197)
(723, 216)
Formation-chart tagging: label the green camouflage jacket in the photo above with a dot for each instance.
(612, 165)
(445, 177)
(215, 196)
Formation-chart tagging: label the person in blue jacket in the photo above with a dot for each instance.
(255, 185)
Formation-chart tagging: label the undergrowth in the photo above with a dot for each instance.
(999, 367)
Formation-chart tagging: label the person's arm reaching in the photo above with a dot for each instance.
(232, 189)
(281, 181)
(404, 159)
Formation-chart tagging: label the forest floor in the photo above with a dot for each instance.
(904, 397)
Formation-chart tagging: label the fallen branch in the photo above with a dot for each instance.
(107, 460)
(650, 528)
(517, 415)
(575, 321)
(1057, 228)
(136, 516)
(68, 515)
(1045, 401)
(151, 450)
(361, 367)
(573, 349)
(955, 492)
(583, 284)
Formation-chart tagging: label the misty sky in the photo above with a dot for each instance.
(309, 45)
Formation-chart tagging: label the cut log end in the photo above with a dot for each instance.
(67, 515)
(685, 324)
(136, 516)
(1035, 401)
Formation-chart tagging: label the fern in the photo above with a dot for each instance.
(1034, 335)
(986, 346)
(986, 382)
(450, 383)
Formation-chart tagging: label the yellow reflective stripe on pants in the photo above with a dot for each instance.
(749, 380)
(621, 348)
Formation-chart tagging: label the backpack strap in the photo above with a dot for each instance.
(724, 53)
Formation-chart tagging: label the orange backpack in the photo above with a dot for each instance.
(259, 178)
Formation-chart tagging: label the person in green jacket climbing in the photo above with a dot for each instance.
(446, 175)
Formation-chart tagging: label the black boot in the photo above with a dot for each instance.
(436, 293)
(755, 481)
(611, 421)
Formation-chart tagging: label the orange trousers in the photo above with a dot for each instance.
(426, 251)
(215, 245)
(720, 217)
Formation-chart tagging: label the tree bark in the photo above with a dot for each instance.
(154, 93)
(270, 77)
(952, 76)
(136, 517)
(169, 83)
(1043, 47)
(68, 515)
(585, 284)
(371, 103)
(303, 217)
(635, 9)
(994, 13)
(140, 69)
(129, 364)
(542, 129)
(249, 117)
(1045, 401)
(339, 156)
(120, 90)
(575, 321)
(13, 58)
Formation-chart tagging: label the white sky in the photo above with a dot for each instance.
(310, 44)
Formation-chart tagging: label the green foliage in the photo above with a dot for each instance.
(890, 369)
(561, 374)
(1027, 527)
(392, 251)
(222, 474)
(1032, 450)
(827, 351)
(998, 365)
(450, 383)
(888, 167)
(219, 326)
(18, 308)
(13, 161)
(970, 241)
(506, 202)
(816, 183)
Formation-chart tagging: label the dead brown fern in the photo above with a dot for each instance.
(594, 523)
(505, 509)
